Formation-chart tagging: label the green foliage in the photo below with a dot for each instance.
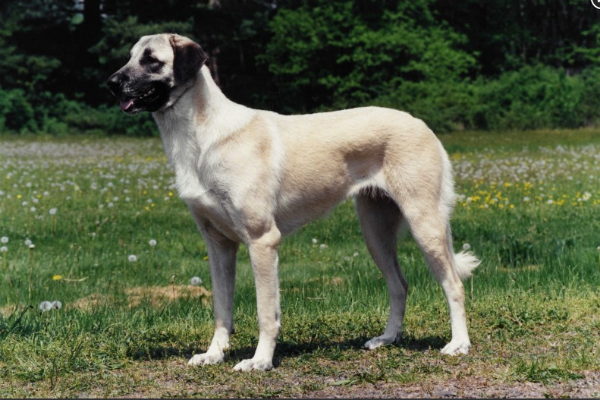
(335, 56)
(535, 97)
(454, 65)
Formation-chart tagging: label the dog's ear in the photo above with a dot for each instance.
(189, 57)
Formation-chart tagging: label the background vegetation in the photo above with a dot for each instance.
(493, 64)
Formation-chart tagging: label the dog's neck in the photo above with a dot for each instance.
(201, 104)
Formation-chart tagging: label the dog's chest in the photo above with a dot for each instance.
(195, 181)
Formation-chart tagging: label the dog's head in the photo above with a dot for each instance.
(159, 70)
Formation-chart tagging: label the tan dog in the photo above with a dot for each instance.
(253, 176)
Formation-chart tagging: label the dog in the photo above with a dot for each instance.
(253, 176)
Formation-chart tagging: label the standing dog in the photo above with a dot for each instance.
(253, 176)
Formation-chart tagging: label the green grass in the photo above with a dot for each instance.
(528, 207)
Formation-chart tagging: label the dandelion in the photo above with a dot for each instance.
(56, 304)
(315, 241)
(355, 255)
(52, 211)
(195, 281)
(45, 306)
(3, 249)
(152, 242)
(57, 277)
(32, 209)
(550, 201)
(323, 246)
(132, 258)
(526, 199)
(466, 246)
(28, 242)
(4, 239)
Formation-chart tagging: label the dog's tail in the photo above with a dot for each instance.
(465, 261)
(464, 264)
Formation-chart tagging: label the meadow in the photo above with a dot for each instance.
(106, 292)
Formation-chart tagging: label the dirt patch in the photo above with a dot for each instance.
(90, 302)
(471, 387)
(156, 295)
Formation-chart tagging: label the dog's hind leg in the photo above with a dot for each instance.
(380, 219)
(428, 219)
(424, 191)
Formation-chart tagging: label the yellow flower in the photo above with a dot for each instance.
(57, 277)
(205, 258)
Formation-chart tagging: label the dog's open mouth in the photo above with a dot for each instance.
(127, 104)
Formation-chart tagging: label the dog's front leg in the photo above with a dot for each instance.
(263, 255)
(221, 257)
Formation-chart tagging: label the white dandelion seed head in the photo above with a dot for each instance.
(315, 241)
(32, 209)
(56, 304)
(52, 211)
(323, 246)
(132, 258)
(466, 246)
(28, 242)
(31, 246)
(45, 306)
(196, 281)
(24, 203)
(355, 254)
(3, 249)
(4, 239)
(152, 242)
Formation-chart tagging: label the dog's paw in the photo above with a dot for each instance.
(379, 341)
(252, 364)
(205, 358)
(455, 348)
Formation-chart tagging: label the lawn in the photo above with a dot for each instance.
(95, 226)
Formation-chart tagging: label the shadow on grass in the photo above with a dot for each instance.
(287, 349)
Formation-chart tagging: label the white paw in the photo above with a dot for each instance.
(205, 358)
(379, 341)
(455, 348)
(252, 364)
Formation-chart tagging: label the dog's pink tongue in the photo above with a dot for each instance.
(126, 104)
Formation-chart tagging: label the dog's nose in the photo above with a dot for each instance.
(114, 82)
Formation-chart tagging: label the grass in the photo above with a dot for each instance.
(528, 206)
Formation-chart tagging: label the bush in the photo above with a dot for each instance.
(54, 114)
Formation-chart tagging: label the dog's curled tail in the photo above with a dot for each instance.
(464, 263)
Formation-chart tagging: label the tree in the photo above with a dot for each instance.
(345, 53)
